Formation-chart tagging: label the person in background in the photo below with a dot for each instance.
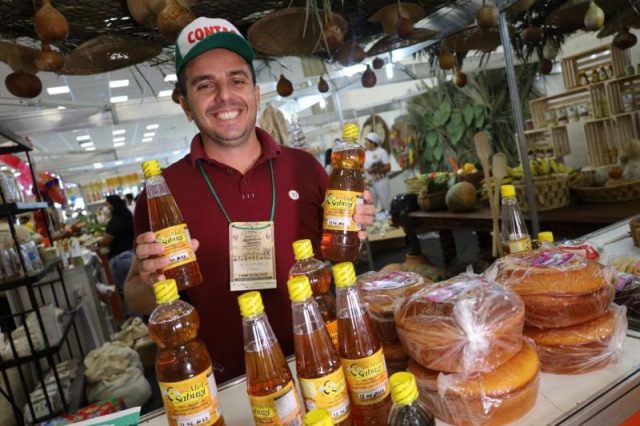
(119, 238)
(131, 202)
(377, 168)
(234, 173)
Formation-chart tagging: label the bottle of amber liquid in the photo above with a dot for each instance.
(515, 236)
(167, 223)
(319, 275)
(360, 352)
(319, 370)
(407, 410)
(272, 393)
(340, 241)
(318, 417)
(183, 366)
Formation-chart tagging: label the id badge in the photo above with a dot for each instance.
(252, 256)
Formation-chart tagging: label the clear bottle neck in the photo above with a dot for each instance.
(348, 304)
(306, 317)
(257, 333)
(156, 186)
(513, 226)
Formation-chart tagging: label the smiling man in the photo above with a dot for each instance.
(234, 176)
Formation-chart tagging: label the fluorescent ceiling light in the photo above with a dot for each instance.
(119, 132)
(171, 78)
(117, 99)
(83, 138)
(86, 144)
(97, 165)
(119, 163)
(120, 139)
(389, 70)
(164, 93)
(118, 83)
(118, 144)
(149, 135)
(152, 126)
(138, 159)
(58, 90)
(177, 152)
(91, 148)
(323, 103)
(62, 107)
(145, 140)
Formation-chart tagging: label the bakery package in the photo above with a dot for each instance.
(581, 348)
(627, 282)
(395, 356)
(382, 292)
(559, 288)
(494, 398)
(465, 324)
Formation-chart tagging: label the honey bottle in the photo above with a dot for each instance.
(167, 223)
(183, 365)
(340, 241)
(318, 417)
(515, 236)
(360, 351)
(319, 370)
(272, 393)
(319, 275)
(407, 409)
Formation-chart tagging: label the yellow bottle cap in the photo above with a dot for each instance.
(299, 288)
(508, 191)
(302, 249)
(546, 236)
(151, 168)
(403, 388)
(318, 417)
(350, 131)
(343, 274)
(166, 291)
(250, 304)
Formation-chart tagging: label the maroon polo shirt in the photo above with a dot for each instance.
(300, 184)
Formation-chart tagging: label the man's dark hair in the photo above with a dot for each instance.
(128, 197)
(182, 78)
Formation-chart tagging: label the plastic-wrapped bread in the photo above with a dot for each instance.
(628, 293)
(383, 292)
(465, 324)
(559, 288)
(581, 348)
(494, 398)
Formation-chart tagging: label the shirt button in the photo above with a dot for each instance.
(229, 171)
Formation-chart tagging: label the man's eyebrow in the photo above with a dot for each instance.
(234, 73)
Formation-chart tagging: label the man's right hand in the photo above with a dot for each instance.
(151, 259)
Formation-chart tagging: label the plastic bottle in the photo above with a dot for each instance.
(360, 351)
(407, 410)
(183, 365)
(319, 275)
(272, 393)
(545, 239)
(167, 223)
(318, 417)
(340, 241)
(320, 373)
(515, 236)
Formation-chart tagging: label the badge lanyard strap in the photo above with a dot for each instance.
(215, 194)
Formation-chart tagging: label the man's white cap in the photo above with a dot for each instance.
(374, 138)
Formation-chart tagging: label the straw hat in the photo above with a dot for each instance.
(389, 43)
(473, 38)
(388, 15)
(282, 33)
(107, 53)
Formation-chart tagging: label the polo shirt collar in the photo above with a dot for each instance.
(270, 149)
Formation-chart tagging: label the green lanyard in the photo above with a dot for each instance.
(215, 194)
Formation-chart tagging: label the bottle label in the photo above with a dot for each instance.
(520, 245)
(193, 401)
(332, 329)
(367, 379)
(328, 392)
(339, 207)
(278, 408)
(177, 245)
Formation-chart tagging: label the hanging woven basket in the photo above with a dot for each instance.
(389, 43)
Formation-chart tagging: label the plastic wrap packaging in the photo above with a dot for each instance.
(383, 292)
(559, 288)
(627, 282)
(395, 356)
(494, 398)
(465, 324)
(581, 348)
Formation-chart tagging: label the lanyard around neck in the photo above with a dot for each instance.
(215, 194)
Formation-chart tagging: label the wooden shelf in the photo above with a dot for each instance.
(14, 209)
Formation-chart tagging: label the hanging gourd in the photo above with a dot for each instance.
(23, 84)
(446, 59)
(532, 34)
(368, 78)
(333, 33)
(284, 87)
(377, 63)
(323, 86)
(350, 53)
(624, 39)
(550, 50)
(404, 26)
(50, 24)
(594, 18)
(460, 79)
(545, 66)
(487, 16)
(48, 60)
(173, 18)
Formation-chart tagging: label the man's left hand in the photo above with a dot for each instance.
(365, 214)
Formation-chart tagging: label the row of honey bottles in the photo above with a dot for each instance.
(350, 384)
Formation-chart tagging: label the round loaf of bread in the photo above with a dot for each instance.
(581, 348)
(495, 398)
(383, 292)
(465, 324)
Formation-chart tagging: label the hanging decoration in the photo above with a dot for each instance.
(377, 63)
(624, 39)
(460, 79)
(545, 66)
(323, 86)
(404, 26)
(334, 31)
(48, 60)
(350, 53)
(594, 18)
(297, 136)
(50, 24)
(532, 34)
(487, 16)
(173, 18)
(284, 86)
(368, 78)
(23, 84)
(551, 49)
(446, 59)
(389, 16)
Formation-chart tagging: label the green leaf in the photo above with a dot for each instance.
(446, 106)
(478, 111)
(455, 133)
(432, 139)
(440, 118)
(426, 155)
(468, 114)
(456, 118)
(438, 151)
(480, 122)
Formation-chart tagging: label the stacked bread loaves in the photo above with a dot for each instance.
(464, 337)
(569, 310)
(382, 292)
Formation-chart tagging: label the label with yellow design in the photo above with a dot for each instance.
(193, 401)
(177, 245)
(328, 392)
(278, 408)
(332, 329)
(367, 379)
(339, 207)
(520, 245)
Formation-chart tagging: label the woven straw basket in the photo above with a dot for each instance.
(435, 201)
(627, 191)
(415, 184)
(552, 192)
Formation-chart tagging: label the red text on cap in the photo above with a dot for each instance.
(200, 33)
